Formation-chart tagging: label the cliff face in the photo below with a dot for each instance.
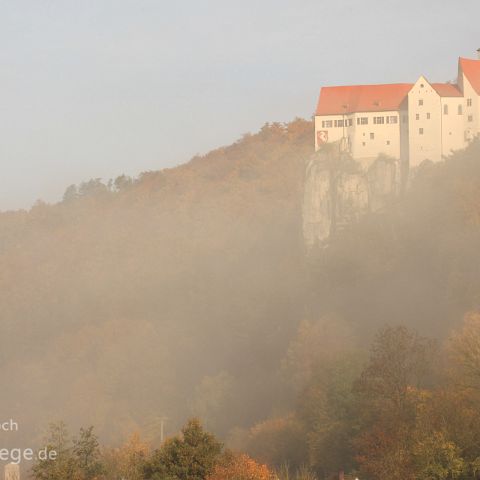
(317, 208)
(339, 191)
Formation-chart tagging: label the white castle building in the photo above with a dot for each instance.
(409, 122)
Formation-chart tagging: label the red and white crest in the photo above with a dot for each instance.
(322, 137)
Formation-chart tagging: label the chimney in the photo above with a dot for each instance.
(478, 53)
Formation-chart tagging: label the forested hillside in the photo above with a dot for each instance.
(416, 263)
(189, 292)
(167, 295)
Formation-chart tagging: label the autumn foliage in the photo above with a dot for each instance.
(188, 291)
(241, 467)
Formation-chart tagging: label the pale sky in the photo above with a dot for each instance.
(97, 88)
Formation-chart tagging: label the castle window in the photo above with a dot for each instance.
(417, 116)
(469, 102)
(363, 143)
(362, 121)
(372, 136)
(378, 120)
(388, 142)
(420, 102)
(326, 124)
(420, 131)
(392, 119)
(445, 109)
(460, 110)
(470, 118)
(428, 116)
(349, 122)
(339, 123)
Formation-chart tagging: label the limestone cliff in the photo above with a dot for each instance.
(339, 191)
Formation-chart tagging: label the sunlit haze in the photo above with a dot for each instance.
(97, 89)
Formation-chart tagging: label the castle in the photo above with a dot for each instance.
(388, 130)
(408, 122)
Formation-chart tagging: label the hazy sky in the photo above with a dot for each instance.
(97, 88)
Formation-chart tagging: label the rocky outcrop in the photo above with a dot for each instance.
(339, 191)
(317, 208)
(352, 198)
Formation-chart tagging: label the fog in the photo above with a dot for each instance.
(190, 292)
(143, 284)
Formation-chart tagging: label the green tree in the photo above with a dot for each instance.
(71, 193)
(61, 465)
(87, 454)
(122, 182)
(93, 187)
(190, 456)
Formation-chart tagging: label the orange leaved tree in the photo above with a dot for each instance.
(240, 467)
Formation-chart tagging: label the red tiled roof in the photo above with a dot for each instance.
(361, 98)
(447, 89)
(471, 69)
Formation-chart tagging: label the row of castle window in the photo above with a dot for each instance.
(337, 123)
(360, 121)
(469, 104)
(459, 110)
(445, 112)
(389, 119)
(378, 120)
(417, 116)
(421, 132)
(372, 137)
(382, 120)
